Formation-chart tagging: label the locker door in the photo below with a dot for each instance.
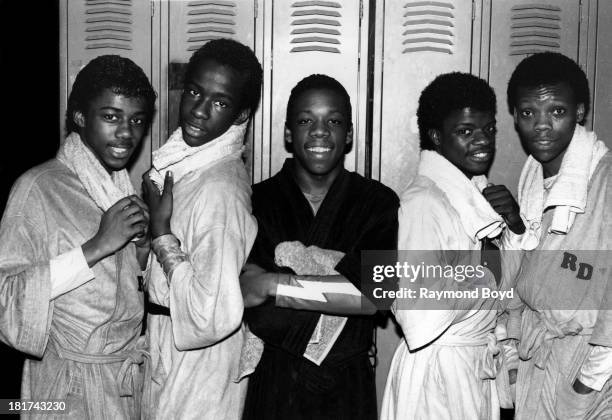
(602, 88)
(186, 26)
(419, 40)
(311, 37)
(520, 28)
(91, 28)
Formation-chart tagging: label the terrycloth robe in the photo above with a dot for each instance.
(357, 214)
(49, 213)
(196, 352)
(562, 315)
(446, 365)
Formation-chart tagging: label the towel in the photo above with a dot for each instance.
(568, 194)
(105, 189)
(180, 158)
(477, 216)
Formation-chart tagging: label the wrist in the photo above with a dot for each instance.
(157, 231)
(93, 252)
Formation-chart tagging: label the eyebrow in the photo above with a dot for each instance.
(119, 110)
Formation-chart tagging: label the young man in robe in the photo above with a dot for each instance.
(314, 220)
(565, 195)
(72, 243)
(446, 366)
(202, 230)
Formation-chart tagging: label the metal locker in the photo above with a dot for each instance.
(416, 41)
(519, 28)
(184, 26)
(601, 88)
(302, 38)
(90, 28)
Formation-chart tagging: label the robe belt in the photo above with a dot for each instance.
(126, 377)
(539, 333)
(491, 358)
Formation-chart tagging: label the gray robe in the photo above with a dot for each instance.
(79, 341)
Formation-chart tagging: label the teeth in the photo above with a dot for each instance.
(481, 155)
(318, 149)
(120, 151)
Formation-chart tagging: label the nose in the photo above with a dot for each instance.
(201, 110)
(124, 130)
(483, 138)
(543, 122)
(319, 129)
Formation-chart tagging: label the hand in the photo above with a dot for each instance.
(506, 206)
(145, 239)
(160, 205)
(257, 284)
(123, 221)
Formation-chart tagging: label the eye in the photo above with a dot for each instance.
(221, 104)
(465, 132)
(303, 121)
(525, 113)
(110, 117)
(191, 92)
(137, 121)
(491, 130)
(336, 121)
(559, 111)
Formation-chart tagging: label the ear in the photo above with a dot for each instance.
(79, 119)
(434, 136)
(349, 135)
(242, 117)
(515, 116)
(288, 137)
(580, 113)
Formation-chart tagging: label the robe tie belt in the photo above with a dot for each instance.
(491, 358)
(539, 334)
(126, 377)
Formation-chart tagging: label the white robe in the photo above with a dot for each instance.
(444, 379)
(196, 352)
(75, 337)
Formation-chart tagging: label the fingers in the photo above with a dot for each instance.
(168, 184)
(140, 203)
(120, 205)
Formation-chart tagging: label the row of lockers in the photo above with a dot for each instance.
(384, 52)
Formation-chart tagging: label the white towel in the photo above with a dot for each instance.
(568, 194)
(477, 216)
(105, 189)
(180, 158)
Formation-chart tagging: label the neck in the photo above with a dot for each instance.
(313, 183)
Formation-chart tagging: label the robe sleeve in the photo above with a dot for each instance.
(25, 286)
(205, 299)
(426, 229)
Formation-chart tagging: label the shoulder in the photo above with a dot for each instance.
(50, 177)
(371, 189)
(424, 194)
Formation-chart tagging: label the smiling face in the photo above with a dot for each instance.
(467, 140)
(319, 130)
(545, 118)
(112, 127)
(210, 103)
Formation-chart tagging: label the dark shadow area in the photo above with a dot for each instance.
(29, 61)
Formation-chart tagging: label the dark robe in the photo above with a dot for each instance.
(357, 214)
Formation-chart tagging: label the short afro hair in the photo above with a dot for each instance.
(118, 74)
(450, 92)
(549, 68)
(319, 82)
(240, 58)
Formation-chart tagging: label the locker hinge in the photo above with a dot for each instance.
(473, 10)
(152, 8)
(360, 9)
(256, 10)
